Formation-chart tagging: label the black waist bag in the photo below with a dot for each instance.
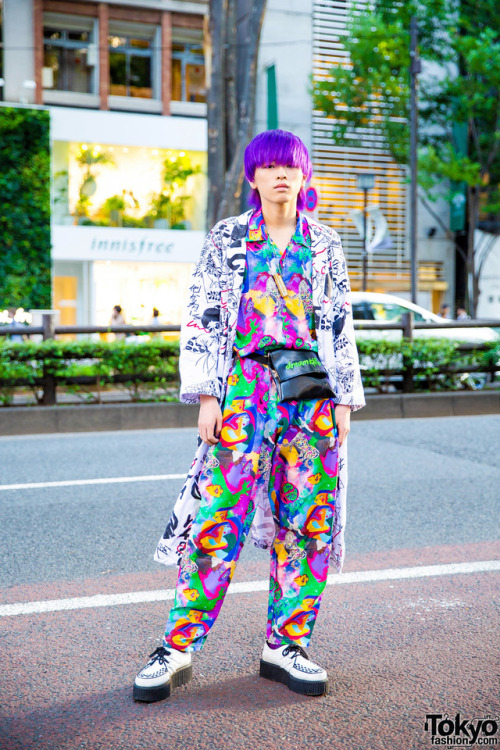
(298, 374)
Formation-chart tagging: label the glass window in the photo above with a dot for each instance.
(176, 80)
(188, 73)
(65, 52)
(418, 318)
(79, 36)
(130, 67)
(387, 311)
(358, 311)
(131, 186)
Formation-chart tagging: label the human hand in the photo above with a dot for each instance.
(343, 420)
(209, 420)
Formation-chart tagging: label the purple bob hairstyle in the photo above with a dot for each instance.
(280, 147)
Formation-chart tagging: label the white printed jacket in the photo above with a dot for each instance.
(206, 355)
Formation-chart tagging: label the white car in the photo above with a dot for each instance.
(380, 308)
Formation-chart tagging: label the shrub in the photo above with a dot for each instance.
(438, 363)
(25, 273)
(141, 369)
(149, 370)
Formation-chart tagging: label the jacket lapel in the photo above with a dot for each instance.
(233, 273)
(322, 281)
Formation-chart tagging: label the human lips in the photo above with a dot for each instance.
(281, 186)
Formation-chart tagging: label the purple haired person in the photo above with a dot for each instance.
(268, 352)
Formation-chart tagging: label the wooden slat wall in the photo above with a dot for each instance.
(335, 167)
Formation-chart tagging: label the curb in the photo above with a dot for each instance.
(412, 405)
(37, 420)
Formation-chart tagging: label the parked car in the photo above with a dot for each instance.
(380, 308)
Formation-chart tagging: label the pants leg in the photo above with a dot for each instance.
(302, 493)
(227, 486)
(206, 569)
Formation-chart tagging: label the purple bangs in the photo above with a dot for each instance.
(281, 147)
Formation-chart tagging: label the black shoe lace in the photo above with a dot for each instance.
(295, 649)
(159, 655)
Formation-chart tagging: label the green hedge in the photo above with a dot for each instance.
(149, 370)
(438, 362)
(152, 366)
(25, 272)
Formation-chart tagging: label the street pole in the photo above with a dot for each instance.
(365, 181)
(415, 68)
(365, 249)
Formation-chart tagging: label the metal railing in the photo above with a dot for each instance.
(407, 325)
(48, 330)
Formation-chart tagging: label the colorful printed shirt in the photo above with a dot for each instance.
(267, 320)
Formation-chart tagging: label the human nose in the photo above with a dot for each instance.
(281, 173)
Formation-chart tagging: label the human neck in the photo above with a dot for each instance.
(279, 215)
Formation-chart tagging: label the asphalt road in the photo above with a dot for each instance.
(412, 483)
(421, 492)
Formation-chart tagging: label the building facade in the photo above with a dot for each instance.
(125, 86)
(125, 83)
(304, 37)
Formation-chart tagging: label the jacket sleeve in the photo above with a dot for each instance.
(201, 326)
(349, 387)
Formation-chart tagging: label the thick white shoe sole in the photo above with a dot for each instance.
(160, 692)
(304, 687)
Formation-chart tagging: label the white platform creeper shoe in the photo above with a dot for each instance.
(167, 668)
(290, 665)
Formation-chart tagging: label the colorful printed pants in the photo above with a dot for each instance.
(289, 451)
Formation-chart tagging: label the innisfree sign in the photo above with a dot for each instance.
(79, 243)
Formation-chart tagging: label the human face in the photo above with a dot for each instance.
(278, 183)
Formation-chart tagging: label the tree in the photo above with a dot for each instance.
(459, 95)
(235, 27)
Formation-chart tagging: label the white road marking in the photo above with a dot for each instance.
(246, 587)
(102, 480)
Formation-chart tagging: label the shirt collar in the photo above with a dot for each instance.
(257, 231)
